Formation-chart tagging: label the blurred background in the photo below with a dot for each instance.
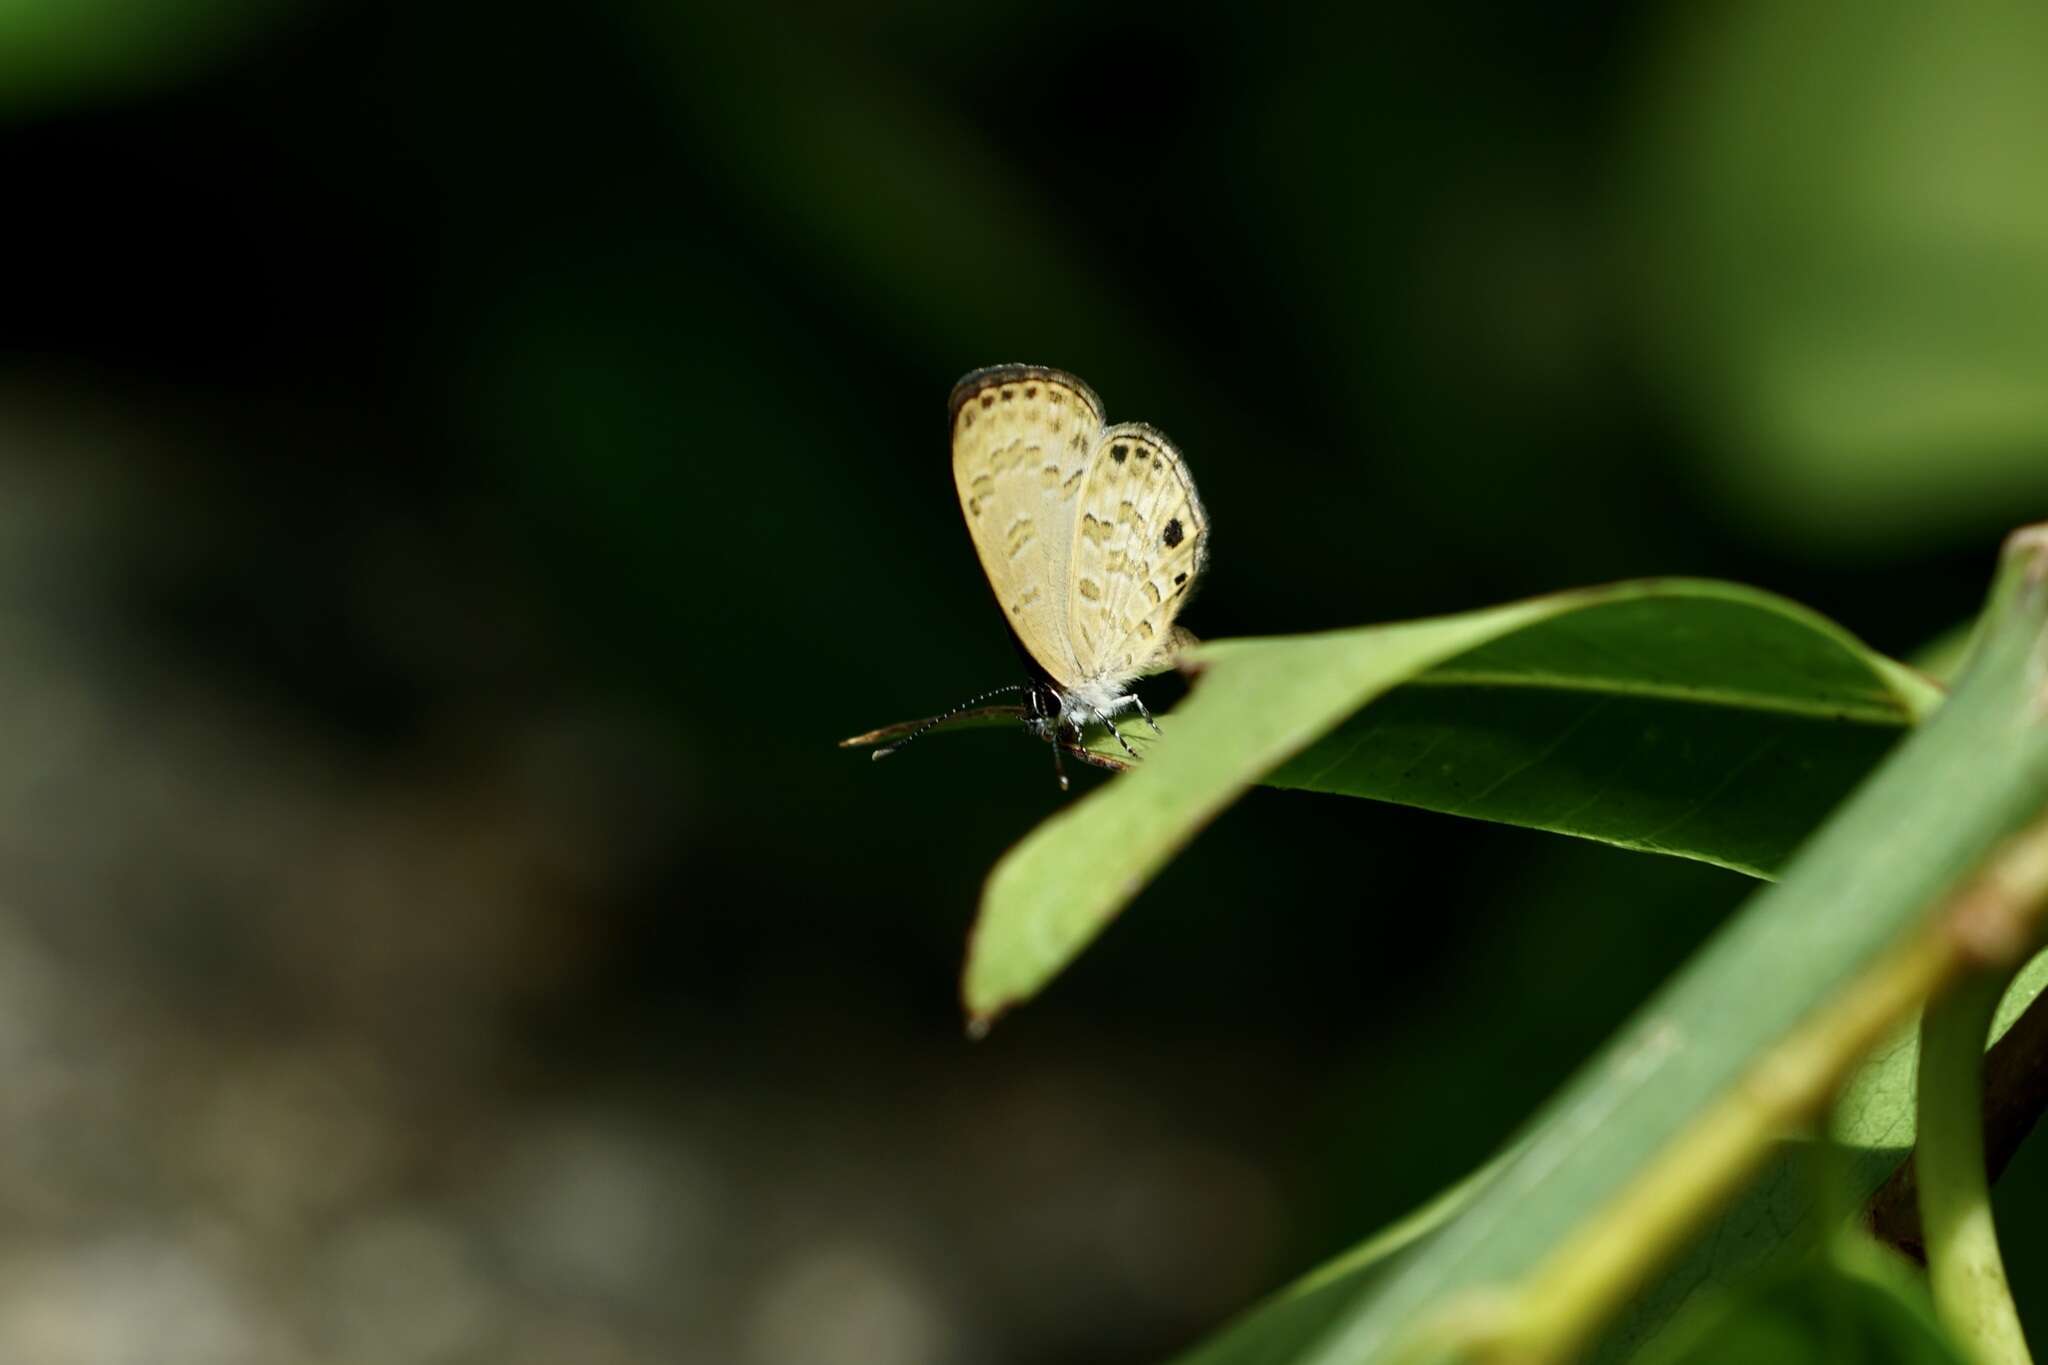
(461, 467)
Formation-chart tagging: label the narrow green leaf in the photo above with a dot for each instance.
(1699, 719)
(1716, 728)
(1873, 1127)
(1959, 784)
(1817, 1314)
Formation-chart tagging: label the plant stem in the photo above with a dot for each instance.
(2015, 1098)
(1964, 1269)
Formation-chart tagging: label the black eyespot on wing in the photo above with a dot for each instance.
(1118, 453)
(988, 400)
(1172, 535)
(1179, 579)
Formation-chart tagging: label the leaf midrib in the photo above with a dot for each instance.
(1863, 713)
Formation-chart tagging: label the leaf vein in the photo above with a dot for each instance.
(1867, 712)
(1547, 750)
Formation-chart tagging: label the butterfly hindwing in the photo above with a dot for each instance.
(1023, 439)
(1139, 542)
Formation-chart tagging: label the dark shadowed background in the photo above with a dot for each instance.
(462, 466)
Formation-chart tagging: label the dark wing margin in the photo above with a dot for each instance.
(977, 382)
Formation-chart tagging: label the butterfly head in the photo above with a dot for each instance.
(1044, 710)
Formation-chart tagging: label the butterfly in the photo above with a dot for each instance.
(1091, 537)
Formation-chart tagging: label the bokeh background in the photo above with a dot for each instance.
(462, 466)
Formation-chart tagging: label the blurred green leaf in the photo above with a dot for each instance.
(56, 51)
(1847, 265)
(1821, 1313)
(1697, 719)
(1871, 1131)
(1959, 784)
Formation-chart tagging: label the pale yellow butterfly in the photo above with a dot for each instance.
(1091, 536)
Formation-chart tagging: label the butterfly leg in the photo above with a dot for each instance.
(1111, 726)
(1045, 722)
(1139, 702)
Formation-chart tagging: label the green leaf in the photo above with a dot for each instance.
(1935, 808)
(1872, 1126)
(1820, 1313)
(1698, 719)
(1871, 1130)
(1722, 729)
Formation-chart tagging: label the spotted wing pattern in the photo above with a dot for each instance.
(1023, 438)
(1140, 541)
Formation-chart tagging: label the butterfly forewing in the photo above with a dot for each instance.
(1139, 543)
(1023, 439)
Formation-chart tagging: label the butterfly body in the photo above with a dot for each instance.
(1091, 537)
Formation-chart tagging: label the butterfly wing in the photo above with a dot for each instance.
(1140, 541)
(1023, 437)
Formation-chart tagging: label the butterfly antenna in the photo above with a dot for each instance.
(938, 720)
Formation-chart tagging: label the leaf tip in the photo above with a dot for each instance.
(979, 1001)
(981, 1004)
(982, 999)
